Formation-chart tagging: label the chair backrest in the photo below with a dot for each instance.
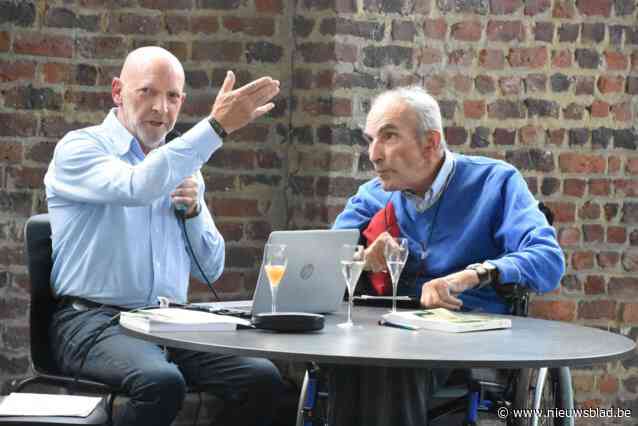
(37, 237)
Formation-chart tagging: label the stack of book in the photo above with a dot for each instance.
(178, 319)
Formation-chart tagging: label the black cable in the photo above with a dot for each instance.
(182, 220)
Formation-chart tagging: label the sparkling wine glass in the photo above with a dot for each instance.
(351, 258)
(275, 266)
(396, 254)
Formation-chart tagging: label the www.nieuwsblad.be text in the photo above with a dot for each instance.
(558, 413)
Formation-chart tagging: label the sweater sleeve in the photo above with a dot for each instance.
(358, 211)
(532, 255)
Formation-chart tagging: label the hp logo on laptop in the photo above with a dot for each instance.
(307, 271)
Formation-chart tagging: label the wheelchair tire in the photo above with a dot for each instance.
(551, 397)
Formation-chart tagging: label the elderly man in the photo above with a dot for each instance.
(470, 221)
(117, 244)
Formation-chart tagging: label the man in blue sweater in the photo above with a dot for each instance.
(470, 222)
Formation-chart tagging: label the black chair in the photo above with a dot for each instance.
(37, 236)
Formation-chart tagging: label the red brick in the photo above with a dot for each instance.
(607, 259)
(571, 162)
(630, 312)
(622, 111)
(582, 260)
(623, 287)
(5, 41)
(18, 70)
(563, 9)
(634, 60)
(474, 109)
(467, 31)
(569, 236)
(16, 124)
(505, 7)
(574, 187)
(616, 235)
(616, 61)
(19, 177)
(626, 187)
(128, 23)
(435, 84)
(632, 166)
(269, 6)
(43, 45)
(536, 7)
(611, 84)
(463, 84)
(89, 101)
(250, 26)
(505, 31)
(558, 310)
(599, 186)
(557, 136)
(532, 135)
(593, 233)
(611, 210)
(599, 109)
(101, 47)
(428, 56)
(594, 7)
(435, 28)
(492, 59)
(11, 151)
(204, 24)
(563, 212)
(461, 57)
(340, 107)
(608, 384)
(613, 165)
(41, 152)
(529, 57)
(594, 284)
(562, 58)
(598, 309)
(589, 210)
(235, 207)
(225, 51)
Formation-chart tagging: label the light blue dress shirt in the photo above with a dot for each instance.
(116, 239)
(421, 204)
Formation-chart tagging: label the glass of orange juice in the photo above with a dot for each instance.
(275, 266)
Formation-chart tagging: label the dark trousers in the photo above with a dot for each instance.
(155, 380)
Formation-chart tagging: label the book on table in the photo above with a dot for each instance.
(440, 319)
(178, 319)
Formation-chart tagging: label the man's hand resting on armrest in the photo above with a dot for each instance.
(442, 292)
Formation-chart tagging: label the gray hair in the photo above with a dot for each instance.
(425, 106)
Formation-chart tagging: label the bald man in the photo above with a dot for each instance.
(117, 244)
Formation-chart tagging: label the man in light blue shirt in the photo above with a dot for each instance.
(112, 190)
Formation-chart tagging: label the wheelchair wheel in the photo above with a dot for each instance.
(531, 394)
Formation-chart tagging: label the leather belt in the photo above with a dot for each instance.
(80, 304)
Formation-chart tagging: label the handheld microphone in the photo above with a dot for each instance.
(180, 209)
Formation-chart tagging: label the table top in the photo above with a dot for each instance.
(530, 342)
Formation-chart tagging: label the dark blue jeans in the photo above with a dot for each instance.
(155, 380)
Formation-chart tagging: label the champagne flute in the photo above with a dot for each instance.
(351, 257)
(396, 254)
(275, 266)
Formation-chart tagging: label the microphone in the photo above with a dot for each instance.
(180, 210)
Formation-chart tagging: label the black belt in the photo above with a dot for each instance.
(84, 304)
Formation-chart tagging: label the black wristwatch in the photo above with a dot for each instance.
(217, 128)
(487, 273)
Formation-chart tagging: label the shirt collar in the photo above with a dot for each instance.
(123, 140)
(438, 186)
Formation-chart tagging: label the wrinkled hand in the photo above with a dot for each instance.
(186, 194)
(374, 256)
(443, 292)
(233, 109)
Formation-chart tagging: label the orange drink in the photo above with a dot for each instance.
(275, 274)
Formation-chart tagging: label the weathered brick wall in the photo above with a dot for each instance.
(548, 85)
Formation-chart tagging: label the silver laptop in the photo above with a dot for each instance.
(313, 281)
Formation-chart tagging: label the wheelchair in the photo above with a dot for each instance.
(470, 392)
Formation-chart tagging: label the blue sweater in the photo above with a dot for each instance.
(485, 213)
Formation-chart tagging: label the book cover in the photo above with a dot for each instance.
(440, 319)
(177, 319)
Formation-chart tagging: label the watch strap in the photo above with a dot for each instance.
(217, 128)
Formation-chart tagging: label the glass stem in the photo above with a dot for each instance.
(394, 296)
(349, 308)
(274, 298)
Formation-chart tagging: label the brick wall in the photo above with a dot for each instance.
(548, 85)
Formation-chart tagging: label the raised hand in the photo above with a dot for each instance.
(233, 109)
